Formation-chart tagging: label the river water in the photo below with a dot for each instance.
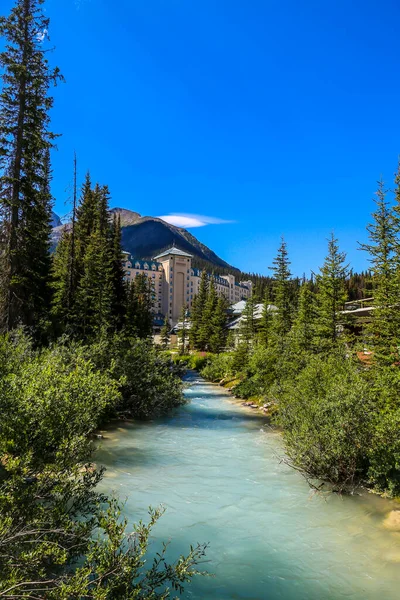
(216, 468)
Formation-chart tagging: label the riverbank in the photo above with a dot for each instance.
(217, 468)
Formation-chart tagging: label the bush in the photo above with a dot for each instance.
(59, 538)
(50, 401)
(384, 450)
(218, 367)
(327, 414)
(149, 383)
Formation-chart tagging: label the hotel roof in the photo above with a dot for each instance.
(175, 252)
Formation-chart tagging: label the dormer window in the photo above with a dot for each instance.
(137, 265)
(146, 266)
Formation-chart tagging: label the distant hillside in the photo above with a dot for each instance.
(145, 237)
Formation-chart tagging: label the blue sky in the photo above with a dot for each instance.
(276, 115)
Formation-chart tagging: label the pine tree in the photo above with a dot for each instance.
(86, 217)
(25, 141)
(383, 250)
(61, 282)
(139, 307)
(331, 294)
(197, 311)
(219, 331)
(94, 294)
(247, 326)
(303, 330)
(282, 292)
(165, 334)
(265, 326)
(206, 325)
(65, 275)
(118, 285)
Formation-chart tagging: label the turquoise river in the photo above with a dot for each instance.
(216, 467)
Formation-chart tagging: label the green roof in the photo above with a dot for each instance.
(175, 252)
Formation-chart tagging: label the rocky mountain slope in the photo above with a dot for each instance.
(145, 237)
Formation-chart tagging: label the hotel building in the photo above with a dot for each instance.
(176, 282)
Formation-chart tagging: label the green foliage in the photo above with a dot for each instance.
(59, 538)
(331, 294)
(139, 310)
(282, 291)
(165, 334)
(218, 335)
(148, 384)
(25, 141)
(327, 416)
(247, 325)
(197, 340)
(88, 276)
(218, 367)
(383, 256)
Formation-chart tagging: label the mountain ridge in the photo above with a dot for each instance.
(144, 237)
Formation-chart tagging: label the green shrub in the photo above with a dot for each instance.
(384, 450)
(328, 414)
(149, 383)
(218, 367)
(198, 361)
(51, 401)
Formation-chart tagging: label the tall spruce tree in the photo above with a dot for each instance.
(331, 293)
(248, 325)
(265, 327)
(118, 285)
(383, 255)
(206, 325)
(25, 141)
(282, 291)
(197, 311)
(303, 329)
(165, 334)
(219, 332)
(139, 307)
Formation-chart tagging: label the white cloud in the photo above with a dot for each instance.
(188, 221)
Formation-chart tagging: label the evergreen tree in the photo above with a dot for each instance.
(383, 250)
(165, 334)
(219, 331)
(206, 325)
(282, 292)
(197, 311)
(303, 330)
(65, 274)
(94, 294)
(331, 294)
(118, 285)
(265, 326)
(61, 283)
(86, 216)
(139, 307)
(25, 140)
(247, 326)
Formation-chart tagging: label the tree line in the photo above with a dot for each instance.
(335, 394)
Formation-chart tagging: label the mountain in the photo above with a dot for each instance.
(55, 220)
(145, 237)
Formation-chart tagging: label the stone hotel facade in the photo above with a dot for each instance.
(176, 282)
